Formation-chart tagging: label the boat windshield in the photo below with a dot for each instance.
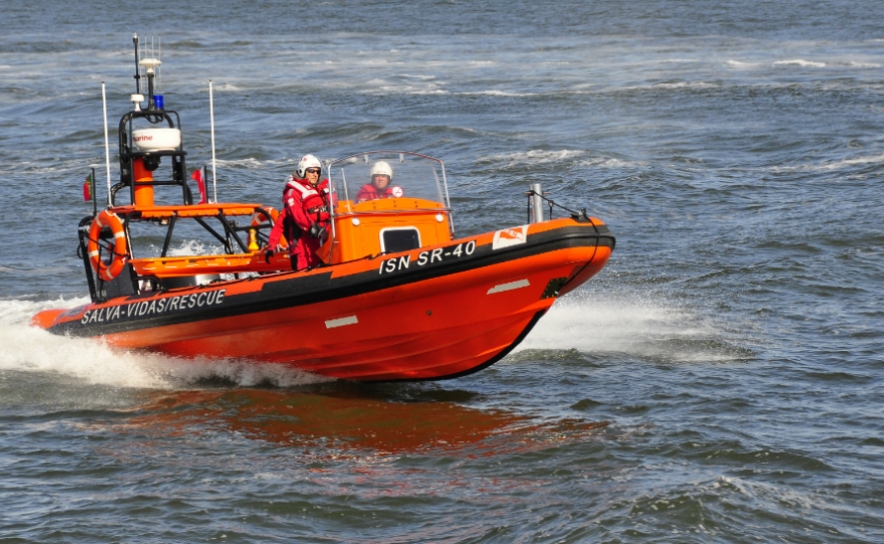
(362, 178)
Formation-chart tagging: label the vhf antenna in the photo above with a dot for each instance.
(151, 66)
(137, 71)
(136, 98)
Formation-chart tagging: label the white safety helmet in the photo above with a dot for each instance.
(383, 169)
(308, 161)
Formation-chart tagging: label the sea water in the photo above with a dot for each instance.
(719, 381)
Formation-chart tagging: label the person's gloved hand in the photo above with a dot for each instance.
(268, 254)
(316, 231)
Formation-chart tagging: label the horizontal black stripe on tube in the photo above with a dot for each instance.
(303, 290)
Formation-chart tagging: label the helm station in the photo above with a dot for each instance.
(399, 294)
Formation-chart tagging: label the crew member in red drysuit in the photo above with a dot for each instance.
(381, 176)
(304, 218)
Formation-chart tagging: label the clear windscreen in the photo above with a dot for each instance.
(360, 178)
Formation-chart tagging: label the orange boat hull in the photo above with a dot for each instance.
(433, 313)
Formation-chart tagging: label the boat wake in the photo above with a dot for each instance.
(626, 324)
(579, 321)
(30, 349)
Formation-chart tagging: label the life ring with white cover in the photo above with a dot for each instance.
(265, 215)
(108, 270)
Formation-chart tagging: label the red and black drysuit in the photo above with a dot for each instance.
(304, 206)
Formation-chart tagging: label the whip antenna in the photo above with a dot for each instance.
(137, 71)
(106, 144)
(212, 121)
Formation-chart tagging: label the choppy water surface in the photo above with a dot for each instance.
(719, 381)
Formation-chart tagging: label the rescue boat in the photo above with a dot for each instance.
(399, 295)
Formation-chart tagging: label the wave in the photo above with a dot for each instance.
(494, 92)
(664, 85)
(432, 90)
(534, 156)
(741, 64)
(402, 89)
(221, 87)
(686, 85)
(800, 62)
(253, 163)
(837, 165)
(832, 166)
(611, 162)
(855, 64)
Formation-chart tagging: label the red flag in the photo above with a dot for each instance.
(87, 188)
(197, 176)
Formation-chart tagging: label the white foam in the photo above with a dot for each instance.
(248, 162)
(838, 165)
(856, 64)
(430, 88)
(540, 157)
(800, 62)
(831, 166)
(27, 348)
(241, 372)
(493, 92)
(31, 349)
(589, 323)
(768, 492)
(534, 156)
(741, 64)
(610, 162)
(421, 92)
(223, 87)
(871, 159)
(313, 62)
(187, 247)
(686, 85)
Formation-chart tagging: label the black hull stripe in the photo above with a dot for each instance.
(303, 290)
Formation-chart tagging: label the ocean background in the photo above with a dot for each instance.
(719, 381)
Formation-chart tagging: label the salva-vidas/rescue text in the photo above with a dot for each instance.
(154, 307)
